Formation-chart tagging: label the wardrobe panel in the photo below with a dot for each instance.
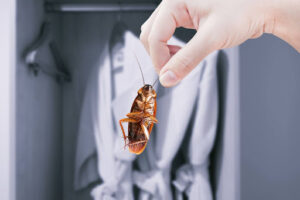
(38, 113)
(7, 100)
(270, 71)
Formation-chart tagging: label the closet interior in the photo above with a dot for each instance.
(58, 43)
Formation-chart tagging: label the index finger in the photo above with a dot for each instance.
(162, 30)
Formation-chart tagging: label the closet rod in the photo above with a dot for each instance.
(97, 7)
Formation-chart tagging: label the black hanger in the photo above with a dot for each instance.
(62, 71)
(117, 33)
(118, 30)
(30, 56)
(116, 38)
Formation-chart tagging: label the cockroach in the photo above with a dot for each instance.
(141, 118)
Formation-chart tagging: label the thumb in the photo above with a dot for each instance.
(187, 58)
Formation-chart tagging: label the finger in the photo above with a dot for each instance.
(162, 30)
(186, 59)
(173, 49)
(150, 20)
(171, 15)
(146, 27)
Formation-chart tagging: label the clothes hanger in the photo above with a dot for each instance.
(30, 56)
(115, 46)
(63, 73)
(118, 30)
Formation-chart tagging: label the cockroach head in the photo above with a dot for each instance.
(147, 90)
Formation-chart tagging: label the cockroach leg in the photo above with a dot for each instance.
(136, 115)
(145, 130)
(153, 119)
(126, 120)
(139, 142)
(149, 120)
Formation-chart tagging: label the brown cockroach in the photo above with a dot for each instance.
(141, 118)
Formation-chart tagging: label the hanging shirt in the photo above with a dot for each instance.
(187, 114)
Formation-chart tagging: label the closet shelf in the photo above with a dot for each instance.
(98, 7)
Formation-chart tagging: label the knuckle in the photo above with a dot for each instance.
(151, 38)
(143, 37)
(143, 26)
(269, 25)
(256, 34)
(179, 5)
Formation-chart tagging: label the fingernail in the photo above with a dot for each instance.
(168, 79)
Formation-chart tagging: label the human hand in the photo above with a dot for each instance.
(219, 24)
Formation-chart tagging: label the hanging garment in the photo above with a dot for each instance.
(188, 109)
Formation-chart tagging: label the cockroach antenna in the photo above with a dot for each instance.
(140, 67)
(155, 81)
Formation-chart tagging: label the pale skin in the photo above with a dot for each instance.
(219, 24)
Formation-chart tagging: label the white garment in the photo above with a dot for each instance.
(190, 108)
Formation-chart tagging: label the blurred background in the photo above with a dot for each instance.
(269, 85)
(255, 153)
